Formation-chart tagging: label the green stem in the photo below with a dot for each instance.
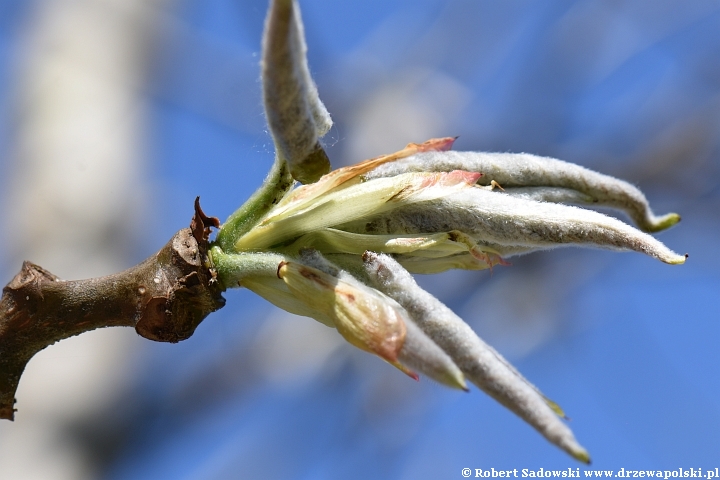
(276, 185)
(231, 268)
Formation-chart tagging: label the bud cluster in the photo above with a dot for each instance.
(340, 249)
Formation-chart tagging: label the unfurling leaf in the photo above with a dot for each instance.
(508, 225)
(525, 170)
(355, 201)
(480, 363)
(362, 316)
(296, 116)
(352, 173)
(365, 317)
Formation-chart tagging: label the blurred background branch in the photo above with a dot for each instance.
(72, 191)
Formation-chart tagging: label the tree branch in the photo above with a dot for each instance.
(165, 298)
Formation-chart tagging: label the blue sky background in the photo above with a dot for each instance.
(627, 345)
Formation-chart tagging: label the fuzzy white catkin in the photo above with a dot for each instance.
(481, 364)
(495, 218)
(526, 170)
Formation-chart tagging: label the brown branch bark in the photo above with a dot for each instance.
(165, 298)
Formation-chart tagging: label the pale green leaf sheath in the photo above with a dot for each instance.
(417, 352)
(313, 287)
(480, 363)
(354, 201)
